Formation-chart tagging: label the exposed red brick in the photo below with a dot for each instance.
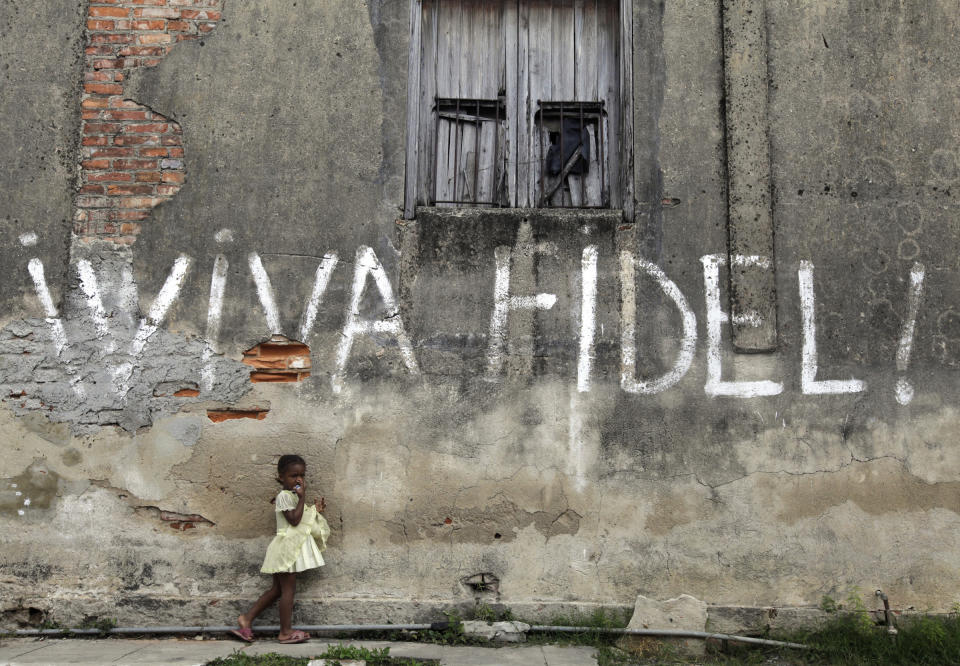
(126, 115)
(116, 12)
(101, 128)
(110, 176)
(157, 12)
(143, 50)
(221, 415)
(103, 88)
(100, 25)
(156, 24)
(150, 128)
(111, 152)
(131, 214)
(134, 140)
(182, 393)
(95, 103)
(123, 35)
(154, 38)
(107, 38)
(129, 189)
(99, 76)
(133, 165)
(277, 377)
(278, 360)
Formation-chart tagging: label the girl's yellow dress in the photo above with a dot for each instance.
(294, 547)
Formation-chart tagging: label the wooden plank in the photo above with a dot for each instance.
(593, 195)
(466, 162)
(586, 73)
(626, 109)
(488, 163)
(524, 113)
(608, 76)
(541, 71)
(463, 38)
(448, 63)
(471, 20)
(490, 55)
(509, 38)
(412, 163)
(440, 178)
(427, 141)
(562, 51)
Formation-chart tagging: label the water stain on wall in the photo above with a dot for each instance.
(502, 520)
(879, 487)
(35, 488)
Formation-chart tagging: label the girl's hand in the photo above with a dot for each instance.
(321, 504)
(300, 489)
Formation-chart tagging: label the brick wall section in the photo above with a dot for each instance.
(280, 359)
(131, 156)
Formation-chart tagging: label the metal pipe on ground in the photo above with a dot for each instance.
(435, 626)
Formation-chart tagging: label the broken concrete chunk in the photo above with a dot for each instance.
(682, 613)
(502, 632)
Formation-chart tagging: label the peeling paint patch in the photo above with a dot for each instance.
(31, 369)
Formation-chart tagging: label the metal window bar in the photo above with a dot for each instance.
(565, 156)
(461, 112)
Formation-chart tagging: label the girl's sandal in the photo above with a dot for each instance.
(296, 637)
(245, 634)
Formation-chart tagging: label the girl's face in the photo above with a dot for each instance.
(293, 475)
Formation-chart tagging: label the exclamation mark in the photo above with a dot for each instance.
(904, 388)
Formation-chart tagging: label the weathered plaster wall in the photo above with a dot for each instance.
(38, 103)
(472, 404)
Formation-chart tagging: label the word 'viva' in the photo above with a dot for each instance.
(367, 265)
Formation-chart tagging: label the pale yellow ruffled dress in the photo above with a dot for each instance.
(294, 548)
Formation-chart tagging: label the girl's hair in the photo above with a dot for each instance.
(287, 460)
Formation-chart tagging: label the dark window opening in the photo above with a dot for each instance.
(572, 145)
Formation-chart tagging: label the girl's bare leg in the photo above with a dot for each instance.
(265, 600)
(288, 588)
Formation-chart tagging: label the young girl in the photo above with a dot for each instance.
(293, 549)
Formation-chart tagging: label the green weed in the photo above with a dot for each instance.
(374, 657)
(487, 613)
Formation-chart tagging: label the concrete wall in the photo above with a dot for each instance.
(454, 428)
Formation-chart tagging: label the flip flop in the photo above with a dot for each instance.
(296, 637)
(245, 634)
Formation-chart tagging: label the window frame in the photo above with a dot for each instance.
(415, 162)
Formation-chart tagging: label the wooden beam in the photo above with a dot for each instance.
(412, 165)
